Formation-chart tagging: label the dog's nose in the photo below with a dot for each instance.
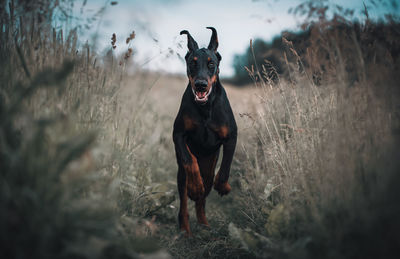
(200, 85)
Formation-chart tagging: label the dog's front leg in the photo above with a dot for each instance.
(221, 180)
(190, 182)
(195, 186)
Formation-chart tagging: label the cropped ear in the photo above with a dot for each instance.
(192, 44)
(214, 40)
(218, 56)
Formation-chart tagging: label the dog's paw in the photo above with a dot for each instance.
(222, 188)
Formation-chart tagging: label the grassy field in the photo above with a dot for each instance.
(88, 168)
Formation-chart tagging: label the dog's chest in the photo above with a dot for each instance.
(208, 134)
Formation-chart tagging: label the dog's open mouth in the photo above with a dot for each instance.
(201, 97)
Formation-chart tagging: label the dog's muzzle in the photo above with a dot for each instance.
(200, 92)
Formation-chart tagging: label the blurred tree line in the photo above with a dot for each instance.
(306, 46)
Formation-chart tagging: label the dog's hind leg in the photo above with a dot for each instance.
(183, 216)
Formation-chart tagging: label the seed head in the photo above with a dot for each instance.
(113, 41)
(131, 37)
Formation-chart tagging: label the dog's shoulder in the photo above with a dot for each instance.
(223, 119)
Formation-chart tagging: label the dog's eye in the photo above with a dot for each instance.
(211, 65)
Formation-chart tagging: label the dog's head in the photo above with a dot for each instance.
(202, 66)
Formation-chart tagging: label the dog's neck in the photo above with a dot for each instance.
(205, 109)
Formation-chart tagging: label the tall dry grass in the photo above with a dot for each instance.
(68, 172)
(324, 158)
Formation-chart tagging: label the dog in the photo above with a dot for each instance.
(204, 123)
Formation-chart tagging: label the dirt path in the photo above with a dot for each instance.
(163, 94)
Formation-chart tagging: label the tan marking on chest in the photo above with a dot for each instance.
(188, 123)
(223, 131)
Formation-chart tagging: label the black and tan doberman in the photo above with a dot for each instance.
(204, 123)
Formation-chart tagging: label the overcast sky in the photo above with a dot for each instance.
(157, 24)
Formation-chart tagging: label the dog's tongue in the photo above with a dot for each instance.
(201, 94)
